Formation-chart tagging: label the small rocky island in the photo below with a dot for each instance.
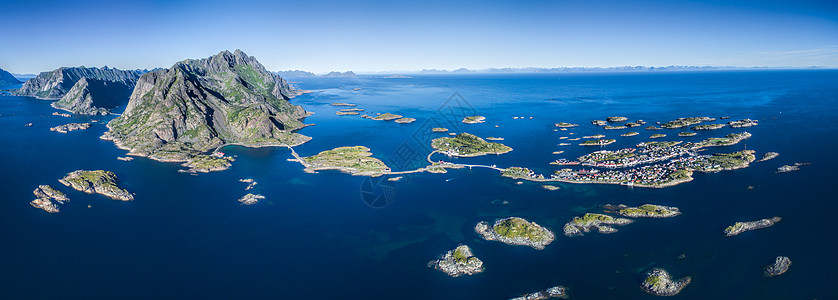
(559, 292)
(659, 283)
(616, 119)
(70, 127)
(251, 199)
(97, 181)
(644, 211)
(405, 120)
(45, 196)
(781, 265)
(355, 160)
(516, 231)
(631, 133)
(467, 145)
(457, 262)
(768, 155)
(708, 127)
(740, 227)
(565, 125)
(439, 129)
(474, 119)
(590, 221)
(385, 117)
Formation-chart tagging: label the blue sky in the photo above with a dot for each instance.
(321, 36)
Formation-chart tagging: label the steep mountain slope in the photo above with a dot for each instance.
(195, 106)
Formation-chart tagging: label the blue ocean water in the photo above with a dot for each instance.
(330, 235)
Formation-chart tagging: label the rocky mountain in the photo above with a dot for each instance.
(55, 84)
(347, 74)
(195, 106)
(294, 73)
(6, 78)
(93, 96)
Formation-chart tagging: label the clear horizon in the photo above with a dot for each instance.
(379, 36)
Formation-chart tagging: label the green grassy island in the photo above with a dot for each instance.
(644, 211)
(686, 134)
(474, 119)
(730, 139)
(684, 122)
(708, 127)
(590, 221)
(97, 181)
(516, 231)
(386, 117)
(657, 136)
(355, 160)
(467, 145)
(208, 163)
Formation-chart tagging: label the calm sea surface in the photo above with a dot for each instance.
(331, 235)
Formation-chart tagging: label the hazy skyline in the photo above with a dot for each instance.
(371, 36)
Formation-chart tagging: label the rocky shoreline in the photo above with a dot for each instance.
(516, 231)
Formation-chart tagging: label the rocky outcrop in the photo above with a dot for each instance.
(55, 84)
(559, 291)
(457, 262)
(251, 199)
(7, 78)
(590, 221)
(99, 182)
(70, 127)
(46, 195)
(94, 96)
(659, 283)
(781, 265)
(516, 231)
(198, 105)
(740, 227)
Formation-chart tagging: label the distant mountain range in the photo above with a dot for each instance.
(347, 74)
(586, 69)
(294, 73)
(7, 78)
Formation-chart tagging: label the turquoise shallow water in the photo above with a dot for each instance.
(318, 236)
